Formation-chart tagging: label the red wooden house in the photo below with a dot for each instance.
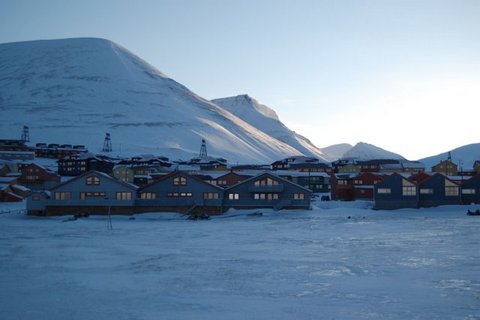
(363, 185)
(37, 177)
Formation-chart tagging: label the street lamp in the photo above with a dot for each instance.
(109, 219)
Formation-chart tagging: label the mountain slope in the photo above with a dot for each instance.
(75, 90)
(266, 120)
(464, 156)
(365, 151)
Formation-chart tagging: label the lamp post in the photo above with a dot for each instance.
(109, 219)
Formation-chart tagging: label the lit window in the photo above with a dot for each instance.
(409, 191)
(210, 195)
(179, 194)
(266, 182)
(148, 195)
(93, 180)
(85, 195)
(426, 191)
(233, 196)
(179, 181)
(61, 196)
(265, 196)
(468, 191)
(298, 196)
(451, 191)
(384, 191)
(124, 196)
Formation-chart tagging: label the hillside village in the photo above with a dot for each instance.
(83, 183)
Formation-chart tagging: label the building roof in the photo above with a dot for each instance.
(268, 174)
(98, 173)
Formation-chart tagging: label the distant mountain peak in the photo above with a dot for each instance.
(366, 151)
(241, 104)
(266, 119)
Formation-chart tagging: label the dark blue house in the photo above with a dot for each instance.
(471, 190)
(395, 192)
(438, 190)
(180, 192)
(267, 191)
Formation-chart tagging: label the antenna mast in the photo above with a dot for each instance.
(203, 150)
(25, 134)
(107, 143)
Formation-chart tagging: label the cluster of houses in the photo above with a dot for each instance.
(100, 193)
(85, 182)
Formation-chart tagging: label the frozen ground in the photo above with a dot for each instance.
(406, 264)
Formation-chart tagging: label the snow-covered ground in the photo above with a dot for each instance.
(319, 264)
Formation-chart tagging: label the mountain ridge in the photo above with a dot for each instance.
(74, 90)
(266, 119)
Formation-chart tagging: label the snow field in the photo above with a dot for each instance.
(319, 264)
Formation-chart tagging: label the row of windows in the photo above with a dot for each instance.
(211, 195)
(361, 181)
(75, 169)
(88, 195)
(85, 195)
(179, 194)
(70, 163)
(411, 191)
(265, 196)
(266, 182)
(153, 195)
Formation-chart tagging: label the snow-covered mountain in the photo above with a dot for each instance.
(336, 151)
(266, 120)
(73, 91)
(464, 156)
(366, 151)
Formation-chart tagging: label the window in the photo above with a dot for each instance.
(266, 182)
(468, 191)
(179, 194)
(451, 191)
(358, 182)
(93, 180)
(409, 191)
(35, 198)
(124, 196)
(384, 191)
(179, 181)
(298, 196)
(148, 195)
(265, 196)
(426, 191)
(61, 196)
(85, 195)
(210, 195)
(233, 196)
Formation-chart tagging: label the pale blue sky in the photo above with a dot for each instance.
(403, 75)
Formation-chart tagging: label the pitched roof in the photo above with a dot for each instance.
(268, 174)
(179, 173)
(98, 173)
